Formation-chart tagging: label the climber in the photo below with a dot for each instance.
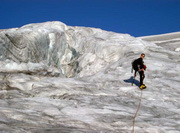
(138, 66)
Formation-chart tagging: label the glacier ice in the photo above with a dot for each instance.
(73, 50)
(59, 78)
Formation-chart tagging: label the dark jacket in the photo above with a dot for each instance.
(138, 64)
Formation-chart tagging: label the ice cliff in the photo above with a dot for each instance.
(74, 51)
(62, 79)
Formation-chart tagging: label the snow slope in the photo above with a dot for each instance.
(59, 78)
(165, 40)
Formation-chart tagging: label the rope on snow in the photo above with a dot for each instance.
(135, 115)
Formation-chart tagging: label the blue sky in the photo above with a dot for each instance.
(134, 17)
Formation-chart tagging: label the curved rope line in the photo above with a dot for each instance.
(135, 115)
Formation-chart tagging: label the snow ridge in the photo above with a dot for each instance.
(74, 51)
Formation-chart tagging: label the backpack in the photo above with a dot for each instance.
(134, 65)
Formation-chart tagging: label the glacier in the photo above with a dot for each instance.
(65, 79)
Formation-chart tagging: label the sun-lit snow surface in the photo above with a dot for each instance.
(57, 78)
(165, 40)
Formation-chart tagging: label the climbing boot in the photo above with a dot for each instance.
(143, 86)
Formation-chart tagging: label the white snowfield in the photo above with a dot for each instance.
(62, 79)
(165, 40)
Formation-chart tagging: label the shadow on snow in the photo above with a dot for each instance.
(132, 81)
